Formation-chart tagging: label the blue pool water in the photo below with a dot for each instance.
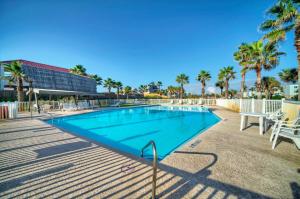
(129, 129)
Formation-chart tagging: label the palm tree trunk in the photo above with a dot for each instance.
(243, 84)
(258, 82)
(297, 45)
(20, 90)
(226, 89)
(181, 91)
(203, 90)
(118, 93)
(221, 91)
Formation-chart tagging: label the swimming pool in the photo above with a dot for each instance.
(129, 129)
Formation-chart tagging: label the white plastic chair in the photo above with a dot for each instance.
(288, 131)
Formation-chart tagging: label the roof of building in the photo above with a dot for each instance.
(40, 65)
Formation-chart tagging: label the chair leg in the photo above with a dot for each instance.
(275, 139)
(273, 131)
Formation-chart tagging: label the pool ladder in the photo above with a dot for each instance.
(154, 165)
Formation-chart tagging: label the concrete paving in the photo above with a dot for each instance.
(38, 160)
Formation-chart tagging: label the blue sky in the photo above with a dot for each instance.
(136, 42)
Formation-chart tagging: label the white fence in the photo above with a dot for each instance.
(10, 109)
(251, 105)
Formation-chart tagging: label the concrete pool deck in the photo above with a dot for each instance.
(41, 161)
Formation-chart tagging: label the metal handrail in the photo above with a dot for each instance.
(154, 165)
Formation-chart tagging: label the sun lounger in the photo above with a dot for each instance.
(115, 105)
(69, 107)
(83, 105)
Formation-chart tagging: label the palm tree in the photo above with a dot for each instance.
(118, 86)
(97, 78)
(243, 56)
(109, 83)
(17, 76)
(269, 84)
(159, 85)
(127, 90)
(225, 75)
(182, 79)
(78, 70)
(263, 56)
(203, 76)
(143, 88)
(284, 17)
(289, 75)
(221, 85)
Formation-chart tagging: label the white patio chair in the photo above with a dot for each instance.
(291, 132)
(115, 105)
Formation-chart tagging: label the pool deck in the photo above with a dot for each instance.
(41, 161)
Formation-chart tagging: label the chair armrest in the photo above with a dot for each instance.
(292, 127)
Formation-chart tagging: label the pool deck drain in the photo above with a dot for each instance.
(40, 161)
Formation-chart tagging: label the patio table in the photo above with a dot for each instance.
(262, 121)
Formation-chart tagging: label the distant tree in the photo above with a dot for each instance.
(289, 75)
(221, 85)
(225, 75)
(16, 76)
(159, 85)
(203, 76)
(127, 91)
(109, 83)
(182, 79)
(269, 85)
(97, 78)
(143, 88)
(284, 17)
(118, 86)
(78, 70)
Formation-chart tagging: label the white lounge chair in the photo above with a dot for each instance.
(115, 105)
(83, 105)
(291, 132)
(69, 107)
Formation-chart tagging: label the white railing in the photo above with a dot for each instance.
(10, 109)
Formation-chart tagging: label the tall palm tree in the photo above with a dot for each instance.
(127, 90)
(78, 70)
(203, 76)
(182, 79)
(97, 78)
(284, 17)
(289, 75)
(221, 85)
(118, 86)
(17, 76)
(109, 83)
(263, 56)
(226, 74)
(243, 56)
(269, 84)
(159, 85)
